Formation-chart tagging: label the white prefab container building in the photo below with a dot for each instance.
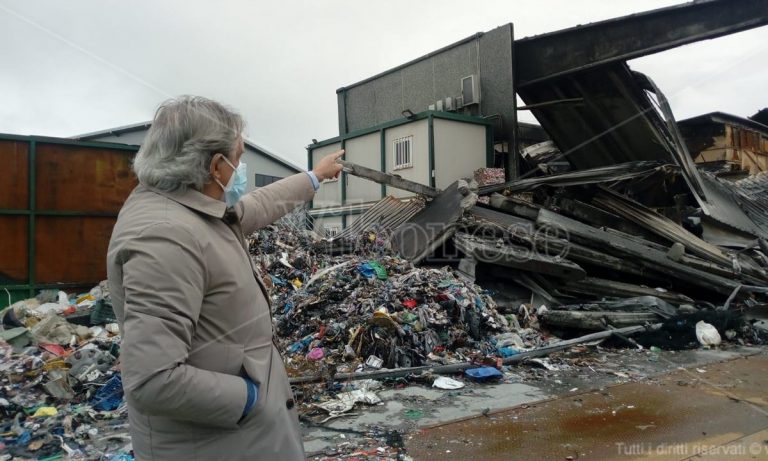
(432, 148)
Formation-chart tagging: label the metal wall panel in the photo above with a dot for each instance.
(460, 149)
(421, 82)
(14, 266)
(73, 178)
(71, 249)
(365, 151)
(14, 187)
(57, 212)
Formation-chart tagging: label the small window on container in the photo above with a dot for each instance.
(262, 180)
(403, 151)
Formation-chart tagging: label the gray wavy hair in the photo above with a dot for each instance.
(185, 134)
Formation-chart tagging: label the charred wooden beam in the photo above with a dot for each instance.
(388, 179)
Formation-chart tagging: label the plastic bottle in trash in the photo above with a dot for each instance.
(655, 353)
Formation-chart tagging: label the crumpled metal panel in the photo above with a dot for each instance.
(608, 173)
(618, 122)
(753, 192)
(615, 122)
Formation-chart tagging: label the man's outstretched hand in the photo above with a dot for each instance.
(327, 168)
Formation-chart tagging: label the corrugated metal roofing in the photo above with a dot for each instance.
(388, 213)
(753, 192)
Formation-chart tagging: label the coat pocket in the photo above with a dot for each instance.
(217, 357)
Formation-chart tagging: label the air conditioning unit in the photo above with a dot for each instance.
(439, 104)
(449, 103)
(470, 90)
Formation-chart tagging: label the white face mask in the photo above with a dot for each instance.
(238, 181)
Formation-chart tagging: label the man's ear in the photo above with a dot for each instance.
(213, 169)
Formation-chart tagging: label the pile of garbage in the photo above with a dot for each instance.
(61, 389)
(372, 309)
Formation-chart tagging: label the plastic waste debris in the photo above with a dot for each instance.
(54, 349)
(48, 413)
(58, 385)
(110, 396)
(53, 329)
(346, 401)
(707, 334)
(45, 411)
(87, 360)
(508, 351)
(316, 354)
(374, 362)
(372, 269)
(444, 382)
(543, 363)
(18, 337)
(410, 303)
(483, 373)
(655, 353)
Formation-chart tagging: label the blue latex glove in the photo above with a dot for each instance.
(253, 397)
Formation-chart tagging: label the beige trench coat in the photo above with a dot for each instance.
(195, 317)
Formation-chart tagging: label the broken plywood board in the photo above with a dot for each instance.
(388, 179)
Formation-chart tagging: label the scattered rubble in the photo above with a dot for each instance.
(61, 390)
(372, 309)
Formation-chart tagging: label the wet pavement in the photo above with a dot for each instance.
(433, 420)
(715, 411)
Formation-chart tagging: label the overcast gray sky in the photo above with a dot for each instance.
(75, 66)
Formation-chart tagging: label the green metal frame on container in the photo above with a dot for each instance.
(30, 288)
(430, 116)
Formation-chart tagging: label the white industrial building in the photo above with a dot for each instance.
(432, 148)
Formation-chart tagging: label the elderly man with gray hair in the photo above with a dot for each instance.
(202, 376)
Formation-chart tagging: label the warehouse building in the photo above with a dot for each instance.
(264, 167)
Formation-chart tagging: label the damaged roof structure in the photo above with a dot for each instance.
(632, 216)
(610, 229)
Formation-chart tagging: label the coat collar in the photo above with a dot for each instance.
(195, 200)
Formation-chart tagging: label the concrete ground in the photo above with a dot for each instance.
(598, 404)
(717, 411)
